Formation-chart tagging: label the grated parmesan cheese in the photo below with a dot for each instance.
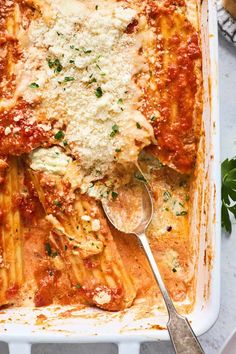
(102, 297)
(7, 131)
(83, 64)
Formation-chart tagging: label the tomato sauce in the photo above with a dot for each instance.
(173, 86)
(19, 132)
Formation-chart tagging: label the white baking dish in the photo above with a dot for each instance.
(139, 324)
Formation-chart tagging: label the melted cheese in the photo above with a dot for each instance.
(82, 65)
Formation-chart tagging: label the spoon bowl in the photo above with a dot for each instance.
(132, 210)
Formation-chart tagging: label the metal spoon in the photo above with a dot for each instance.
(131, 212)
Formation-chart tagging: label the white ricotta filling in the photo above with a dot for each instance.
(52, 160)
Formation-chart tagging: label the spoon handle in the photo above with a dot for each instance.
(181, 333)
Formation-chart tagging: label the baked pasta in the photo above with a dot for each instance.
(88, 89)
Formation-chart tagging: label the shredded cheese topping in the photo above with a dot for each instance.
(79, 66)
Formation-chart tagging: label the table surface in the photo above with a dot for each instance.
(213, 340)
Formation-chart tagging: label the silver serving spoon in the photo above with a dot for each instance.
(131, 212)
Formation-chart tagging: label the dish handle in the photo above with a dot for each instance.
(128, 348)
(19, 348)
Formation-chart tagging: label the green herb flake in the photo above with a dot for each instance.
(181, 213)
(120, 101)
(115, 130)
(33, 85)
(48, 249)
(153, 118)
(98, 92)
(187, 197)
(57, 203)
(166, 196)
(69, 78)
(114, 195)
(65, 143)
(228, 193)
(92, 80)
(71, 61)
(140, 177)
(78, 286)
(174, 270)
(96, 7)
(65, 247)
(118, 150)
(54, 254)
(59, 135)
(138, 126)
(86, 51)
(55, 64)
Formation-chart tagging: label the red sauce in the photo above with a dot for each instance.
(19, 133)
(131, 26)
(12, 291)
(27, 202)
(47, 281)
(116, 297)
(175, 86)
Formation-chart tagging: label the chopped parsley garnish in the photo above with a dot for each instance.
(174, 270)
(56, 65)
(114, 195)
(138, 126)
(54, 254)
(65, 143)
(187, 197)
(59, 135)
(86, 51)
(115, 130)
(65, 247)
(69, 78)
(57, 203)
(48, 249)
(228, 193)
(98, 92)
(153, 118)
(181, 213)
(78, 286)
(71, 61)
(59, 34)
(96, 7)
(92, 80)
(140, 177)
(118, 150)
(120, 101)
(72, 46)
(33, 85)
(166, 196)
